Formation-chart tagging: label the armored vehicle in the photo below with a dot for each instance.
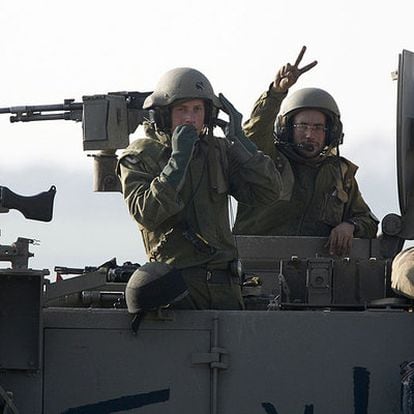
(320, 334)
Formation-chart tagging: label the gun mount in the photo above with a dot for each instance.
(38, 207)
(17, 253)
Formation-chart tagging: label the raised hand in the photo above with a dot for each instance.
(288, 74)
(242, 147)
(183, 141)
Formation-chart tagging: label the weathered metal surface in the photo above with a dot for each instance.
(332, 361)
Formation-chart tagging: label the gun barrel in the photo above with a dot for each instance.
(73, 111)
(38, 116)
(5, 110)
(63, 270)
(35, 112)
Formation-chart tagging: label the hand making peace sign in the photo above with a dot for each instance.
(288, 74)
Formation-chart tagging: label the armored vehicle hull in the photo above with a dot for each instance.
(307, 354)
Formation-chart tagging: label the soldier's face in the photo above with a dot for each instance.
(309, 130)
(190, 112)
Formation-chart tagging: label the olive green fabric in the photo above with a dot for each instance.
(206, 294)
(318, 194)
(165, 217)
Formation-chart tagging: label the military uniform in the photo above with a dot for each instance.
(190, 228)
(318, 193)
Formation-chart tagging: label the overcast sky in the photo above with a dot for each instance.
(52, 50)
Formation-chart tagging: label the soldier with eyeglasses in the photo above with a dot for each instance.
(302, 134)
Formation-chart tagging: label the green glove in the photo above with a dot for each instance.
(241, 146)
(182, 141)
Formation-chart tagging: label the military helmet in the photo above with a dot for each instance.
(153, 285)
(181, 84)
(310, 98)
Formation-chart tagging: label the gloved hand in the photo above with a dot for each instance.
(241, 146)
(183, 140)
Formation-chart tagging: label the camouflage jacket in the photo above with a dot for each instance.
(317, 196)
(192, 227)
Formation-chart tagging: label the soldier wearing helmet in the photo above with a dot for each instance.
(320, 195)
(176, 183)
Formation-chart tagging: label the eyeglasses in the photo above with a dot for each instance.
(318, 128)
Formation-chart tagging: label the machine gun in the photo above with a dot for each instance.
(107, 120)
(38, 207)
(114, 272)
(102, 285)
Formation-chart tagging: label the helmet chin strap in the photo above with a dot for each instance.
(306, 147)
